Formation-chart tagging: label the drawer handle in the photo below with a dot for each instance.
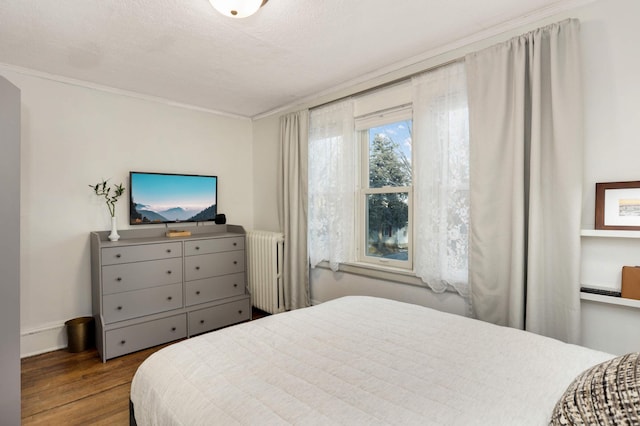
(173, 329)
(240, 312)
(201, 321)
(235, 285)
(235, 262)
(169, 298)
(122, 342)
(197, 247)
(169, 272)
(168, 250)
(197, 268)
(235, 244)
(119, 308)
(198, 292)
(118, 255)
(119, 279)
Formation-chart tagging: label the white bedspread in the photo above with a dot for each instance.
(358, 361)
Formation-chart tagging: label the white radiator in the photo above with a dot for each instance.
(265, 254)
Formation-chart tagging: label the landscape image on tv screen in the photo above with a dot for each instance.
(170, 198)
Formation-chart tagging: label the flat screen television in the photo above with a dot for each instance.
(171, 198)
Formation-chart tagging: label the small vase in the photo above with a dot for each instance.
(113, 236)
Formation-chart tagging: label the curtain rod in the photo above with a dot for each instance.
(387, 84)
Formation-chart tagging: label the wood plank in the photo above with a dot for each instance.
(110, 407)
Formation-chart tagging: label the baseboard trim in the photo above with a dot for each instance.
(44, 339)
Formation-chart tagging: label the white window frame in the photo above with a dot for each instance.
(362, 126)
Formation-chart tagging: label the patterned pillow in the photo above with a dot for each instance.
(605, 394)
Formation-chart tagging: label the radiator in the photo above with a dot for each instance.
(265, 254)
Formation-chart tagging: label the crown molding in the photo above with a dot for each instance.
(107, 89)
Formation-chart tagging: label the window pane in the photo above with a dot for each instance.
(387, 225)
(390, 155)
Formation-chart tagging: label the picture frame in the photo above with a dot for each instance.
(618, 206)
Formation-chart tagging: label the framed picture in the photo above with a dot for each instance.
(618, 205)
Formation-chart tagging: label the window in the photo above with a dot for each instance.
(403, 199)
(384, 205)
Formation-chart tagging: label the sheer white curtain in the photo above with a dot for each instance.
(292, 207)
(525, 110)
(441, 177)
(332, 174)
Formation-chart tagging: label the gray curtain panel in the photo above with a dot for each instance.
(292, 207)
(525, 119)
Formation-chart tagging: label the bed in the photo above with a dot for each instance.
(359, 361)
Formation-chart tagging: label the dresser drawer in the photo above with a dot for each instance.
(133, 338)
(211, 265)
(208, 319)
(214, 245)
(138, 303)
(126, 254)
(138, 275)
(208, 289)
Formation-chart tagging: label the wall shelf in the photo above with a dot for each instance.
(620, 301)
(605, 233)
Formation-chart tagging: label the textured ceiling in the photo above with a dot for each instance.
(185, 52)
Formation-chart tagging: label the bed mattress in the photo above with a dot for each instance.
(358, 361)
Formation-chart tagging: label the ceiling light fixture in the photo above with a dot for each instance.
(237, 8)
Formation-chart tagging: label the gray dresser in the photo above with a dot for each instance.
(149, 289)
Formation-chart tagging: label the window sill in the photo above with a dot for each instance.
(386, 273)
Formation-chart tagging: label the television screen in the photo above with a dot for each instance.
(171, 198)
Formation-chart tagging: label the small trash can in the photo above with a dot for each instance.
(80, 334)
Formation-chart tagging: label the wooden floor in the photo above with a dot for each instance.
(63, 388)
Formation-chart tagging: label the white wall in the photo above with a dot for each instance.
(265, 167)
(609, 38)
(74, 136)
(330, 285)
(610, 33)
